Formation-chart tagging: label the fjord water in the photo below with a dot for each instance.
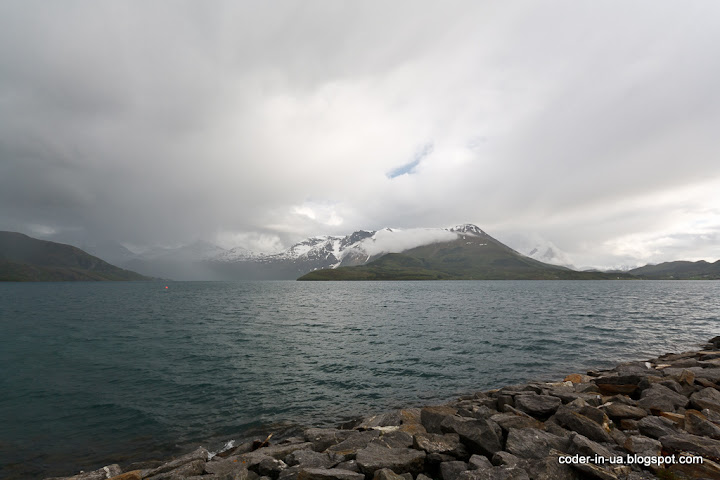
(94, 373)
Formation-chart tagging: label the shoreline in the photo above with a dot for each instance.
(638, 420)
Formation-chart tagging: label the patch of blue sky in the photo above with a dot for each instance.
(409, 168)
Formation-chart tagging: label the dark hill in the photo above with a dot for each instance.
(27, 259)
(680, 270)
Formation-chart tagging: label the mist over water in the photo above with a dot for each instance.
(96, 373)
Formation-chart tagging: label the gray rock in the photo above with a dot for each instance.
(661, 398)
(422, 476)
(499, 459)
(328, 474)
(480, 436)
(495, 473)
(581, 424)
(623, 384)
(270, 467)
(711, 415)
(395, 439)
(187, 469)
(399, 460)
(619, 411)
(99, 474)
(697, 424)
(226, 469)
(322, 438)
(586, 447)
(642, 445)
(706, 447)
(448, 443)
(533, 443)
(477, 462)
(290, 473)
(310, 459)
(549, 468)
(707, 398)
(349, 465)
(198, 454)
(539, 406)
(511, 420)
(451, 470)
(382, 420)
(279, 451)
(387, 474)
(432, 417)
(350, 446)
(656, 427)
(595, 471)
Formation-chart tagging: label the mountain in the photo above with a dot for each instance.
(471, 255)
(680, 270)
(24, 258)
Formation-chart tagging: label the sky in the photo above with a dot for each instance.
(589, 126)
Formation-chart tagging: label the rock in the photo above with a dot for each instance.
(706, 398)
(349, 465)
(323, 438)
(432, 417)
(581, 424)
(685, 442)
(623, 384)
(422, 476)
(290, 473)
(510, 420)
(451, 470)
(134, 475)
(706, 469)
(382, 420)
(549, 468)
(279, 451)
(626, 424)
(387, 474)
(619, 411)
(539, 406)
(351, 445)
(394, 439)
(328, 474)
(399, 460)
(198, 454)
(661, 398)
(478, 461)
(676, 418)
(270, 467)
(697, 424)
(187, 469)
(577, 378)
(640, 445)
(480, 436)
(448, 443)
(586, 447)
(227, 469)
(310, 459)
(532, 443)
(500, 458)
(656, 427)
(595, 471)
(495, 473)
(712, 416)
(99, 474)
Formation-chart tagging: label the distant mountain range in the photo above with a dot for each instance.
(460, 252)
(24, 258)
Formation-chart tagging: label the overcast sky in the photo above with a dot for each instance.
(591, 125)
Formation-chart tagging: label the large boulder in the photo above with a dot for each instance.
(620, 411)
(533, 443)
(661, 398)
(656, 427)
(399, 460)
(698, 424)
(706, 398)
(448, 443)
(685, 442)
(539, 406)
(328, 474)
(581, 424)
(480, 436)
(432, 417)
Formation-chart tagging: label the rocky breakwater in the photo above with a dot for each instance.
(641, 420)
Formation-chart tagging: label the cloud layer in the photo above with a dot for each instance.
(592, 126)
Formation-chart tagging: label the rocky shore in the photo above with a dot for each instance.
(658, 418)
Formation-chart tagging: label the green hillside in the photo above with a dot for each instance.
(26, 259)
(470, 257)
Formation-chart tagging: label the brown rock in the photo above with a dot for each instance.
(619, 411)
(134, 475)
(577, 378)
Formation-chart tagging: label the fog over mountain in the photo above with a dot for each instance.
(589, 128)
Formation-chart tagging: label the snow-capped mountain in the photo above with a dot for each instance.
(202, 260)
(551, 254)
